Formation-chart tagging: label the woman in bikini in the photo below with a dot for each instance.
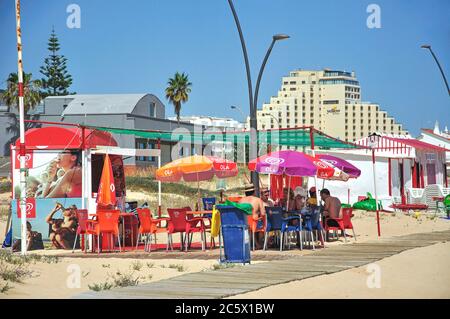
(67, 185)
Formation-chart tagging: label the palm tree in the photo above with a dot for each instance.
(31, 91)
(177, 91)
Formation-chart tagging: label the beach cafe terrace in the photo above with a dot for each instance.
(105, 225)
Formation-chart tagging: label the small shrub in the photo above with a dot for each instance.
(106, 265)
(178, 267)
(14, 273)
(222, 266)
(150, 265)
(4, 289)
(136, 265)
(124, 280)
(5, 186)
(101, 286)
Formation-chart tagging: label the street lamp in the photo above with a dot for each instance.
(234, 107)
(275, 38)
(426, 46)
(253, 147)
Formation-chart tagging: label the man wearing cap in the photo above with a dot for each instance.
(265, 197)
(258, 209)
(312, 200)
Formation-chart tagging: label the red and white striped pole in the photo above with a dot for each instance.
(22, 151)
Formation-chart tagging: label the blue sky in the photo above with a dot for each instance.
(134, 46)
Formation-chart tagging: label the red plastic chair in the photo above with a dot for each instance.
(178, 223)
(343, 223)
(82, 218)
(148, 226)
(253, 227)
(107, 223)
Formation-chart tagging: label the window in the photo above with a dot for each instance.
(152, 109)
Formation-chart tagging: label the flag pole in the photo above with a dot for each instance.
(22, 152)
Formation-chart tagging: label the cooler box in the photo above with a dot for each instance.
(236, 241)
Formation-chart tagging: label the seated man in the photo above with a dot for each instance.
(265, 197)
(332, 207)
(258, 209)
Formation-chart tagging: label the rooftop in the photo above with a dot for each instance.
(101, 103)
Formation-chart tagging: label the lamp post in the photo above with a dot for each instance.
(233, 107)
(253, 143)
(373, 142)
(426, 46)
(275, 38)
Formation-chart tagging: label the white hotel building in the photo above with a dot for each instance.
(329, 101)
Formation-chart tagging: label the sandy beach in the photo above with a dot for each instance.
(417, 273)
(429, 266)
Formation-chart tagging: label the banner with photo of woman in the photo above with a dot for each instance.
(55, 174)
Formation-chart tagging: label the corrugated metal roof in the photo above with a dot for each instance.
(102, 103)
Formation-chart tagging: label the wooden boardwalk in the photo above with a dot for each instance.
(241, 279)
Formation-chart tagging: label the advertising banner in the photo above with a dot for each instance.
(51, 174)
(51, 220)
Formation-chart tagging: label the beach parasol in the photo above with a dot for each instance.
(288, 162)
(196, 168)
(348, 168)
(107, 190)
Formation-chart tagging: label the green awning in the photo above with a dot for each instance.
(296, 137)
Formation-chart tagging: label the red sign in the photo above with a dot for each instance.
(28, 160)
(31, 208)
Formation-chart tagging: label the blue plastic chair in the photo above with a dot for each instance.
(274, 217)
(312, 224)
(208, 204)
(288, 228)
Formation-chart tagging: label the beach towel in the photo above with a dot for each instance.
(215, 222)
(245, 207)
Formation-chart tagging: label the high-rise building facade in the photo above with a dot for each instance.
(328, 100)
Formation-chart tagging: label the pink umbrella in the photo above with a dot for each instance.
(343, 165)
(291, 163)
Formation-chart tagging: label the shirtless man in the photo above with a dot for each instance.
(63, 230)
(332, 207)
(258, 210)
(265, 197)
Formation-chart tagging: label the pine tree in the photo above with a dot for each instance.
(56, 79)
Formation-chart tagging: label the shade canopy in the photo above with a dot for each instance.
(299, 137)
